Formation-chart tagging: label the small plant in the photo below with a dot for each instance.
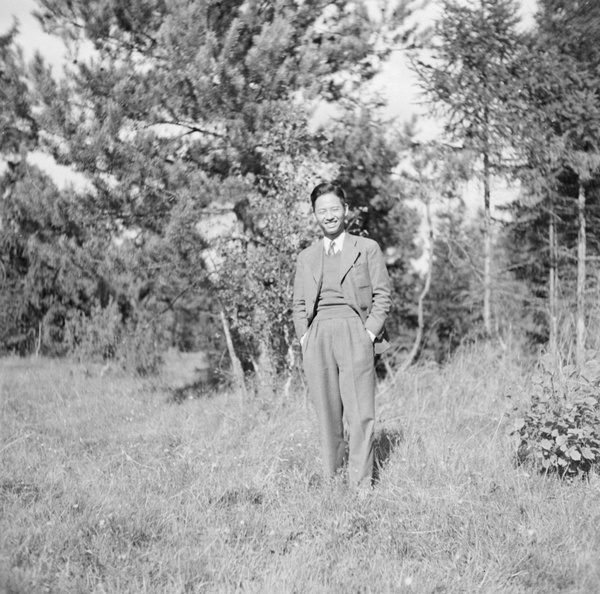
(560, 431)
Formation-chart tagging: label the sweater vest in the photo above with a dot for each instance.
(331, 302)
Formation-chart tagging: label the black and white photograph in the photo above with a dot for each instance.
(299, 296)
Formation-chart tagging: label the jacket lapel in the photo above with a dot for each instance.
(316, 262)
(350, 253)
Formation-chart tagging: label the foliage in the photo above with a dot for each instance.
(49, 257)
(134, 343)
(572, 27)
(18, 134)
(255, 263)
(95, 338)
(557, 143)
(18, 127)
(559, 432)
(432, 176)
(526, 241)
(558, 107)
(367, 149)
(470, 79)
(185, 108)
(452, 311)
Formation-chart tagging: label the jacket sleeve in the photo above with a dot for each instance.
(299, 314)
(382, 289)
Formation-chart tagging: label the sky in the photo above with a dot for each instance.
(31, 37)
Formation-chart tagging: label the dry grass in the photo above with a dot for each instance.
(105, 486)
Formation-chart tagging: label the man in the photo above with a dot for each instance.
(341, 300)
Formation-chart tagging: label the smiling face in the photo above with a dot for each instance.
(330, 212)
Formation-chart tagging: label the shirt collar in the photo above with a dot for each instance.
(339, 242)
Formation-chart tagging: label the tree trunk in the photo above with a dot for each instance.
(552, 289)
(238, 372)
(290, 360)
(581, 249)
(419, 338)
(487, 251)
(264, 367)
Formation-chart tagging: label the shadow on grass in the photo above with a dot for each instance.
(386, 441)
(198, 389)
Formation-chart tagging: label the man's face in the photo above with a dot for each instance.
(330, 212)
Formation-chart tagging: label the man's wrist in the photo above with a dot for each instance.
(372, 336)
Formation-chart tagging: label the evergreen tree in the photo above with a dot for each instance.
(18, 135)
(559, 136)
(573, 27)
(470, 80)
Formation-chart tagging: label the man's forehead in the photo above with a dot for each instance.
(329, 199)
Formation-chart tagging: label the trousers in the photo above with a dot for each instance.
(339, 364)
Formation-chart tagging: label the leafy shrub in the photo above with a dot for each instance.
(560, 431)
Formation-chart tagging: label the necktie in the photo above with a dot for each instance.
(332, 249)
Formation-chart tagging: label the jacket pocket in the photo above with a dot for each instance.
(360, 275)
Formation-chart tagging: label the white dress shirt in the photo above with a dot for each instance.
(339, 242)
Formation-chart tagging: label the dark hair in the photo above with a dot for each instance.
(327, 188)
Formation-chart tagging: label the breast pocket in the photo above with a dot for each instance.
(360, 275)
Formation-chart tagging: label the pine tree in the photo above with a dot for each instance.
(182, 109)
(18, 135)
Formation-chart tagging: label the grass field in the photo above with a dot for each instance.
(106, 486)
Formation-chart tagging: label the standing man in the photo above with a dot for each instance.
(341, 300)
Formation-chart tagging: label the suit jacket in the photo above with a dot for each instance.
(365, 285)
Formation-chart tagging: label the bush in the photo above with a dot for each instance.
(135, 344)
(95, 337)
(560, 431)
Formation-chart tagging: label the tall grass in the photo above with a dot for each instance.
(107, 486)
